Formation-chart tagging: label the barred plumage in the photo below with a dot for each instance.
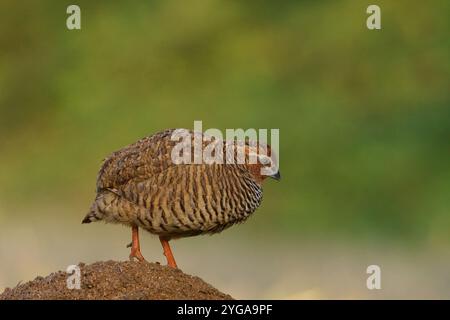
(140, 186)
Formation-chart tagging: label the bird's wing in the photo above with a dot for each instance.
(142, 160)
(138, 190)
(180, 182)
(146, 159)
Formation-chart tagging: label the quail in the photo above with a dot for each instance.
(141, 186)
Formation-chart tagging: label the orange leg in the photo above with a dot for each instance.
(168, 253)
(135, 248)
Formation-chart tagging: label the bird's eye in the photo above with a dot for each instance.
(265, 160)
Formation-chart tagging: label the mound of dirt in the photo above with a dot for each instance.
(118, 280)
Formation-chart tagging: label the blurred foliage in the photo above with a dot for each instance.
(364, 116)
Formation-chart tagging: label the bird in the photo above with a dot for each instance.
(140, 186)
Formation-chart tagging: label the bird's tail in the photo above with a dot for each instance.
(94, 214)
(101, 208)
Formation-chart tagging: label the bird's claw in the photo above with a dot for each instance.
(136, 254)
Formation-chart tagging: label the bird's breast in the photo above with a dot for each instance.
(195, 199)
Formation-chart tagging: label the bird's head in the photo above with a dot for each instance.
(262, 162)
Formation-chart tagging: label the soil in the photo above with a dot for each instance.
(118, 280)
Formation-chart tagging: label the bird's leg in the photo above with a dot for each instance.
(135, 248)
(168, 252)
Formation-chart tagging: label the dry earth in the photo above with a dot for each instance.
(118, 280)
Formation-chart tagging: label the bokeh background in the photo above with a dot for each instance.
(364, 119)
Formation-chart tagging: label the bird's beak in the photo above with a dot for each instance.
(276, 176)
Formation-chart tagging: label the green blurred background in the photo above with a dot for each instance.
(364, 119)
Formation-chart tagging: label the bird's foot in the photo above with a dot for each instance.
(136, 254)
(135, 248)
(168, 253)
(171, 263)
